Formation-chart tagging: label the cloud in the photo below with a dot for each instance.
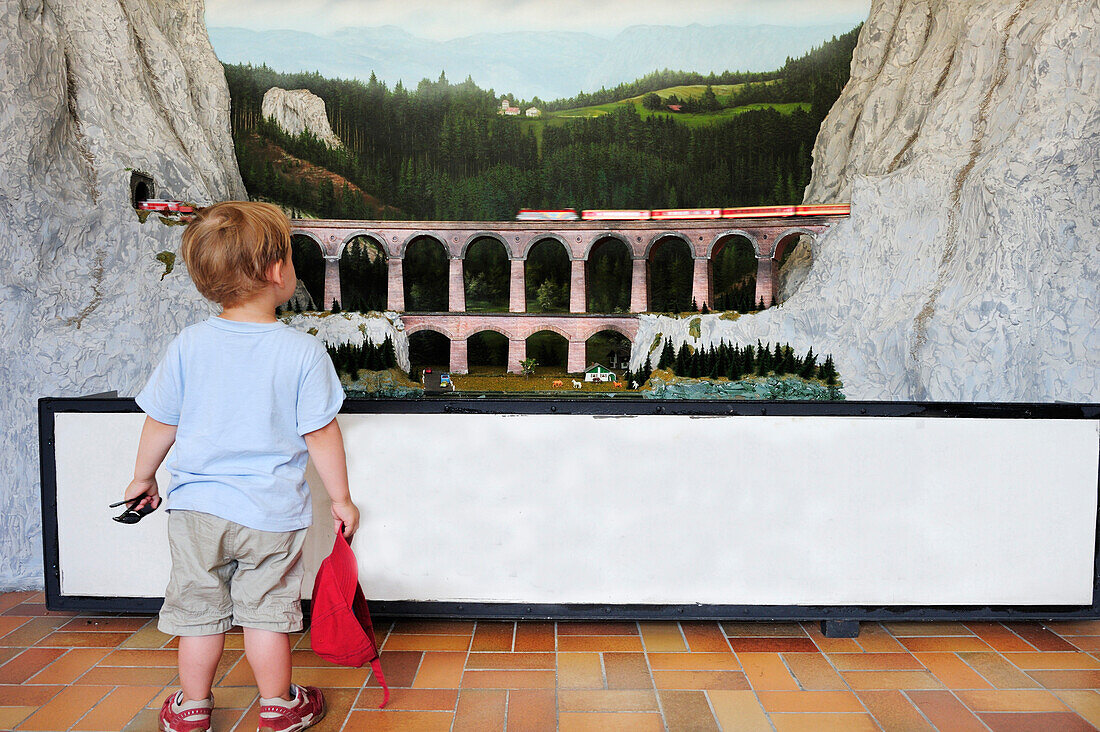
(444, 20)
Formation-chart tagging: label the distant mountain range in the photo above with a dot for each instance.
(546, 64)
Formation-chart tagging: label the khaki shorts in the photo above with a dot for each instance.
(225, 574)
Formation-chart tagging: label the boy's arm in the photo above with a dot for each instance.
(156, 440)
(326, 449)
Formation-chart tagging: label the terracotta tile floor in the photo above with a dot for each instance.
(68, 671)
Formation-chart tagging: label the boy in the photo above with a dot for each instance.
(243, 397)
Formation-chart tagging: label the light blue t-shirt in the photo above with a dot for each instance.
(242, 396)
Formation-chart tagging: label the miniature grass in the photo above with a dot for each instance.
(168, 259)
(494, 380)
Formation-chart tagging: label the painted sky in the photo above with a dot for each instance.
(446, 20)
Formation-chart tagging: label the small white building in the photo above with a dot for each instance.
(507, 108)
(596, 372)
(533, 112)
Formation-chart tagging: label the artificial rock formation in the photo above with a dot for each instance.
(298, 111)
(968, 142)
(93, 91)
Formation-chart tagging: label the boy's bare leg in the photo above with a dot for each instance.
(198, 660)
(268, 653)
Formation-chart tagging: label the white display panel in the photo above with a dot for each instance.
(558, 509)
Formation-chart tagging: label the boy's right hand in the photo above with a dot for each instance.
(146, 487)
(344, 513)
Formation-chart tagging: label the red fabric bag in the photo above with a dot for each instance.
(340, 628)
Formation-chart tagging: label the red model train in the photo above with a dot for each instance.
(747, 212)
(157, 204)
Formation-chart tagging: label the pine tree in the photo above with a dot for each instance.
(335, 306)
(668, 357)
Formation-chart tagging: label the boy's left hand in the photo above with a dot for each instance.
(146, 487)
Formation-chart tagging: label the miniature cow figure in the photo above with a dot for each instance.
(576, 384)
(633, 384)
(617, 384)
(557, 384)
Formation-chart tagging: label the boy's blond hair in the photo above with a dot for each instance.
(228, 248)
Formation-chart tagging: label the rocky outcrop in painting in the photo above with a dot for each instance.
(104, 101)
(298, 111)
(968, 142)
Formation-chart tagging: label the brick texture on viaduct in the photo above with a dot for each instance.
(769, 237)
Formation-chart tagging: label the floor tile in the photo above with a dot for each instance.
(687, 710)
(875, 661)
(906, 629)
(739, 710)
(422, 700)
(387, 721)
(944, 710)
(511, 661)
(1067, 679)
(118, 676)
(1036, 722)
(609, 722)
(532, 637)
(432, 627)
(400, 667)
(8, 623)
(1052, 660)
(1074, 627)
(439, 670)
(703, 680)
(13, 695)
(758, 629)
(893, 710)
(813, 671)
(10, 717)
(596, 643)
(129, 624)
(950, 644)
(824, 722)
(63, 711)
(662, 637)
(705, 637)
(68, 639)
(773, 645)
(32, 631)
(488, 636)
(590, 628)
(138, 657)
(891, 680)
(809, 701)
(431, 643)
(694, 661)
(627, 671)
(766, 671)
(580, 671)
(1040, 637)
(508, 680)
(953, 671)
(1086, 702)
(532, 710)
(1016, 700)
(999, 672)
(999, 637)
(873, 638)
(479, 710)
(607, 700)
(27, 664)
(118, 708)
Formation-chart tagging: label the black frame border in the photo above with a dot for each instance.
(48, 408)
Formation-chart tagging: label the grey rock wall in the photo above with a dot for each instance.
(92, 90)
(968, 142)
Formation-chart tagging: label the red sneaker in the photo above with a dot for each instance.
(305, 710)
(179, 716)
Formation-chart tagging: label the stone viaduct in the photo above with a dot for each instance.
(769, 238)
(517, 328)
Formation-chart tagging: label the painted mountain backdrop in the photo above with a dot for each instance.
(546, 64)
